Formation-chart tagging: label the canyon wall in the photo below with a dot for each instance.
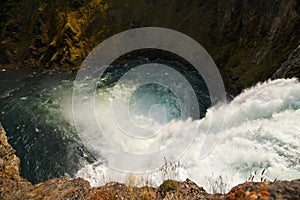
(248, 40)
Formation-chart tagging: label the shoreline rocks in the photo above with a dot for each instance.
(13, 186)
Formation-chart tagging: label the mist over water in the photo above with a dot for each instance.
(261, 130)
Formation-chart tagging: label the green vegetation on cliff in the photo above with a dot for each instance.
(247, 39)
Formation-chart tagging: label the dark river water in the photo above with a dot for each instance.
(260, 128)
(36, 111)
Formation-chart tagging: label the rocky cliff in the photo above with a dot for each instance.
(13, 186)
(247, 39)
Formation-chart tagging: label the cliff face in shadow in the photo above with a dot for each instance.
(248, 40)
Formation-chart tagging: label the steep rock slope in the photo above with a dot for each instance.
(247, 39)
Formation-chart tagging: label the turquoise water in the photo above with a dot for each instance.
(261, 129)
(36, 111)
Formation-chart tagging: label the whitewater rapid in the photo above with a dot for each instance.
(260, 130)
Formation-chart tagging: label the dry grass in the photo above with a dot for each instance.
(254, 177)
(170, 170)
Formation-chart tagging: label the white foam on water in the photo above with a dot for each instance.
(261, 130)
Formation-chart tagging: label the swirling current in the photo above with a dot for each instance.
(261, 129)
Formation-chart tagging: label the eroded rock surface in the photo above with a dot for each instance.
(290, 68)
(13, 186)
(248, 40)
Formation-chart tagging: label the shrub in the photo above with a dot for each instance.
(166, 186)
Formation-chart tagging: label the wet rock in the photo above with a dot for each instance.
(76, 4)
(39, 42)
(4, 58)
(291, 67)
(13, 27)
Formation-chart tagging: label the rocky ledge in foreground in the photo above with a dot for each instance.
(13, 186)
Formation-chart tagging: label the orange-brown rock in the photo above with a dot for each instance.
(13, 186)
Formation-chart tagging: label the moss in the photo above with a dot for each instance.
(231, 32)
(167, 186)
